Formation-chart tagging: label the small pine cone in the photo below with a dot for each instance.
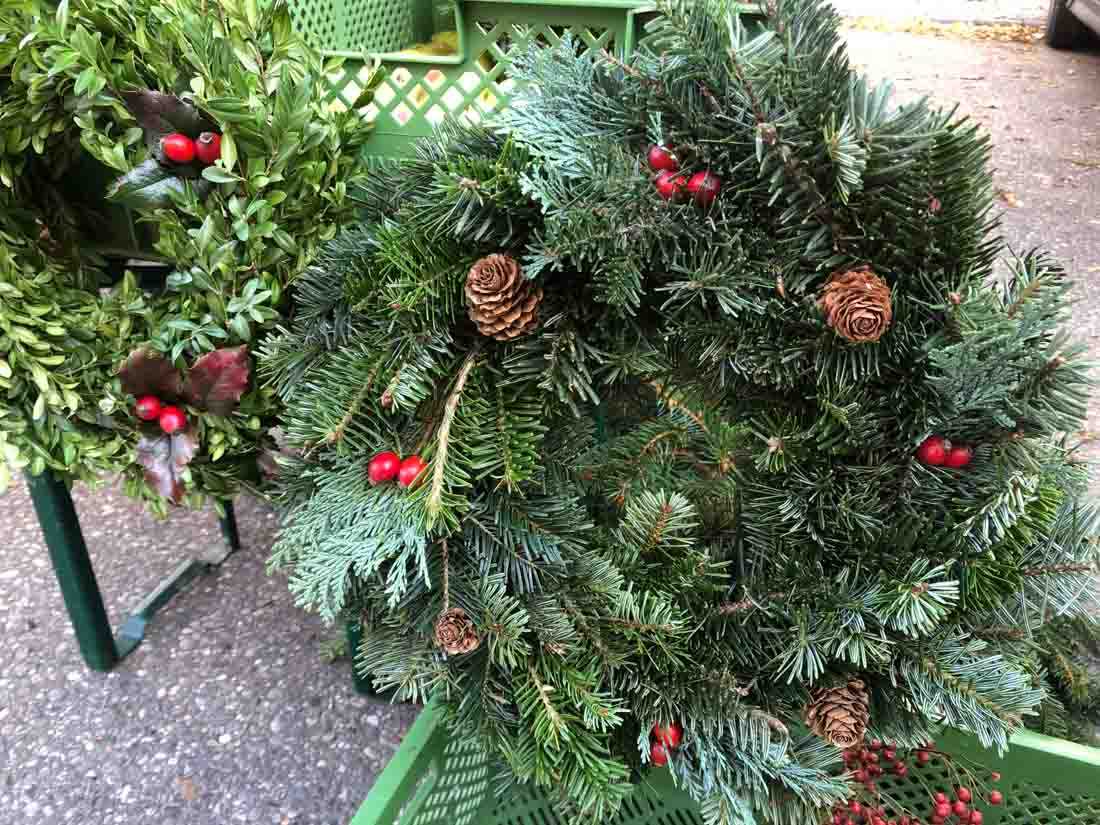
(502, 303)
(455, 632)
(857, 305)
(839, 715)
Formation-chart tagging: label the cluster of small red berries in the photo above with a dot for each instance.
(662, 739)
(937, 451)
(171, 418)
(703, 187)
(386, 466)
(868, 763)
(179, 148)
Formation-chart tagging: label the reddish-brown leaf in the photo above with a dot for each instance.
(164, 458)
(146, 372)
(217, 381)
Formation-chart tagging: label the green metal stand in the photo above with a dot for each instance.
(69, 554)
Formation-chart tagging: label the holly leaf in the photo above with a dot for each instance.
(152, 186)
(164, 458)
(160, 114)
(146, 372)
(217, 381)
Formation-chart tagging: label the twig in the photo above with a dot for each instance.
(446, 579)
(435, 496)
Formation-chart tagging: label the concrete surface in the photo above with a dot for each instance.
(227, 714)
(948, 10)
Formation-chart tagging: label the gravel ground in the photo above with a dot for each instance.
(226, 713)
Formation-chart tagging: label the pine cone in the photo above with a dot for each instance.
(503, 303)
(857, 305)
(839, 715)
(455, 632)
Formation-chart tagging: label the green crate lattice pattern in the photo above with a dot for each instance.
(354, 25)
(1025, 803)
(417, 96)
(459, 783)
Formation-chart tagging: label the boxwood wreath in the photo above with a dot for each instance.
(87, 92)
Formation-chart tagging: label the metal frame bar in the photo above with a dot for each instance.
(101, 649)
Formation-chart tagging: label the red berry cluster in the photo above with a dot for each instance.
(385, 466)
(868, 763)
(179, 148)
(662, 739)
(171, 419)
(703, 187)
(937, 451)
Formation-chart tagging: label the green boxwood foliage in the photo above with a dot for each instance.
(86, 89)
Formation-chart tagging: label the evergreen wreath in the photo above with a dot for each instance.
(98, 98)
(683, 420)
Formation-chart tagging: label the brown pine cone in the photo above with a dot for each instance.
(857, 305)
(455, 632)
(839, 715)
(502, 303)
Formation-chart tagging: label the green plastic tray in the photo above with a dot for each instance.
(434, 779)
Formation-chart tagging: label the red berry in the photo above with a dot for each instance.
(940, 798)
(658, 754)
(838, 819)
(147, 408)
(905, 821)
(660, 159)
(900, 769)
(670, 186)
(208, 147)
(410, 470)
(875, 770)
(876, 745)
(996, 797)
(178, 148)
(854, 806)
(938, 820)
(976, 818)
(874, 757)
(670, 735)
(964, 795)
(870, 786)
(924, 757)
(959, 456)
(943, 809)
(704, 187)
(889, 754)
(932, 451)
(172, 419)
(383, 467)
(861, 776)
(995, 776)
(959, 808)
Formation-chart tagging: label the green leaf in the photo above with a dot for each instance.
(62, 15)
(218, 175)
(152, 186)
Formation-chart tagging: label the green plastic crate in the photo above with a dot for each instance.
(434, 779)
(421, 90)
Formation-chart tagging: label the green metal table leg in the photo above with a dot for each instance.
(355, 638)
(83, 600)
(69, 554)
(228, 524)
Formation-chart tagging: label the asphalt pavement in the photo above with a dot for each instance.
(228, 713)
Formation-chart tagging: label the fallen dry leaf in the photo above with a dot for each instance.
(188, 789)
(1009, 198)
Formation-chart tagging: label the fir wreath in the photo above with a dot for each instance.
(687, 489)
(92, 90)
